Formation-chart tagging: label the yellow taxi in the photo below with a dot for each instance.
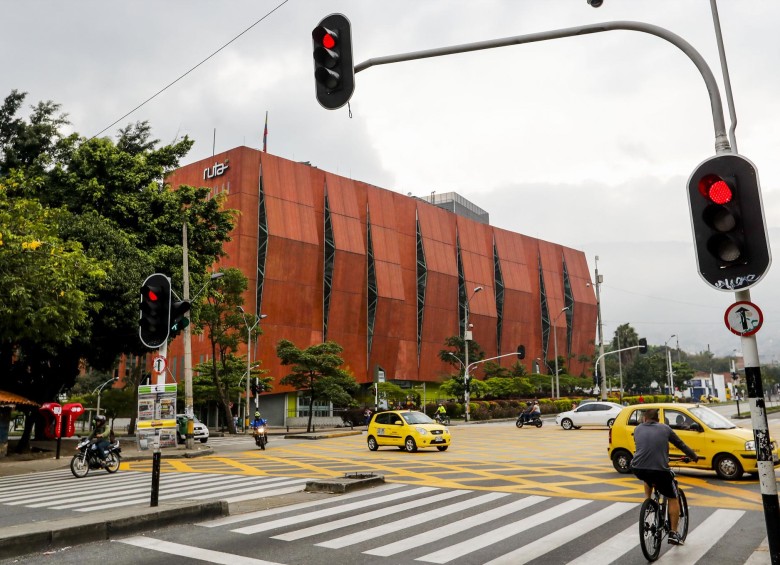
(720, 444)
(407, 430)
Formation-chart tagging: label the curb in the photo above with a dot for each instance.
(350, 482)
(42, 536)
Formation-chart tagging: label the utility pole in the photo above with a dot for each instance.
(603, 365)
(189, 409)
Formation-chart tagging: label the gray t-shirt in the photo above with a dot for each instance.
(652, 446)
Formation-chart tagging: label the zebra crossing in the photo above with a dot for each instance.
(398, 523)
(60, 490)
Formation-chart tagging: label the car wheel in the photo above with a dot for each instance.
(410, 445)
(621, 461)
(204, 440)
(728, 468)
(567, 424)
(610, 422)
(442, 447)
(372, 444)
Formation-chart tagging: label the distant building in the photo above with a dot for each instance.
(456, 204)
(386, 276)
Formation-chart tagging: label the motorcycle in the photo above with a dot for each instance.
(88, 458)
(261, 436)
(442, 419)
(536, 420)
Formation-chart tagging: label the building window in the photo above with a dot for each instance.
(568, 301)
(545, 314)
(371, 280)
(422, 280)
(327, 275)
(262, 246)
(498, 284)
(320, 408)
(462, 296)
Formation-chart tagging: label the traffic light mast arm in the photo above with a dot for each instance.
(616, 351)
(721, 139)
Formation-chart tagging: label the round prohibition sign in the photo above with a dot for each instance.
(743, 318)
(159, 364)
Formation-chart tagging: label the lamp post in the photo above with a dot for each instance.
(555, 339)
(466, 339)
(249, 361)
(189, 409)
(99, 391)
(669, 363)
(603, 366)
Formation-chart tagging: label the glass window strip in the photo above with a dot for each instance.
(371, 284)
(422, 282)
(262, 247)
(498, 284)
(545, 313)
(328, 265)
(462, 298)
(568, 301)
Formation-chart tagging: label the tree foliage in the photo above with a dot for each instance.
(82, 223)
(317, 371)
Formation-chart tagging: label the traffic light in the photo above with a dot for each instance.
(178, 321)
(727, 217)
(334, 73)
(642, 345)
(155, 316)
(521, 351)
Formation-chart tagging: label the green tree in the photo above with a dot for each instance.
(223, 323)
(104, 208)
(317, 370)
(457, 358)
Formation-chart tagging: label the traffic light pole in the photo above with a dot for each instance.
(766, 470)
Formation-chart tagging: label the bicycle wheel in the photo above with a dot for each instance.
(682, 525)
(650, 529)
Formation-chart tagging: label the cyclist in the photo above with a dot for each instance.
(441, 412)
(651, 463)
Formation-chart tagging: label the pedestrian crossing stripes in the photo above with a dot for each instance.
(433, 525)
(59, 490)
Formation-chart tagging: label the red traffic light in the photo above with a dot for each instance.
(715, 189)
(333, 69)
(151, 295)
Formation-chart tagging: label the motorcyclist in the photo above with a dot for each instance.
(257, 423)
(99, 438)
(532, 412)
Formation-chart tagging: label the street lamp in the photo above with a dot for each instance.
(466, 339)
(555, 339)
(189, 410)
(249, 362)
(669, 364)
(99, 391)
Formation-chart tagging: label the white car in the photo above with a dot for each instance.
(199, 429)
(590, 414)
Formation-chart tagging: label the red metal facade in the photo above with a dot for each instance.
(306, 210)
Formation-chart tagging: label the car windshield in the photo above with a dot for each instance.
(712, 419)
(416, 418)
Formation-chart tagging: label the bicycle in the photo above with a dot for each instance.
(654, 523)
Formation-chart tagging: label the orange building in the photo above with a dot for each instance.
(385, 275)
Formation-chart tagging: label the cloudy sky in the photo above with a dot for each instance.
(585, 141)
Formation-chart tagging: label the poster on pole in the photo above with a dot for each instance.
(156, 412)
